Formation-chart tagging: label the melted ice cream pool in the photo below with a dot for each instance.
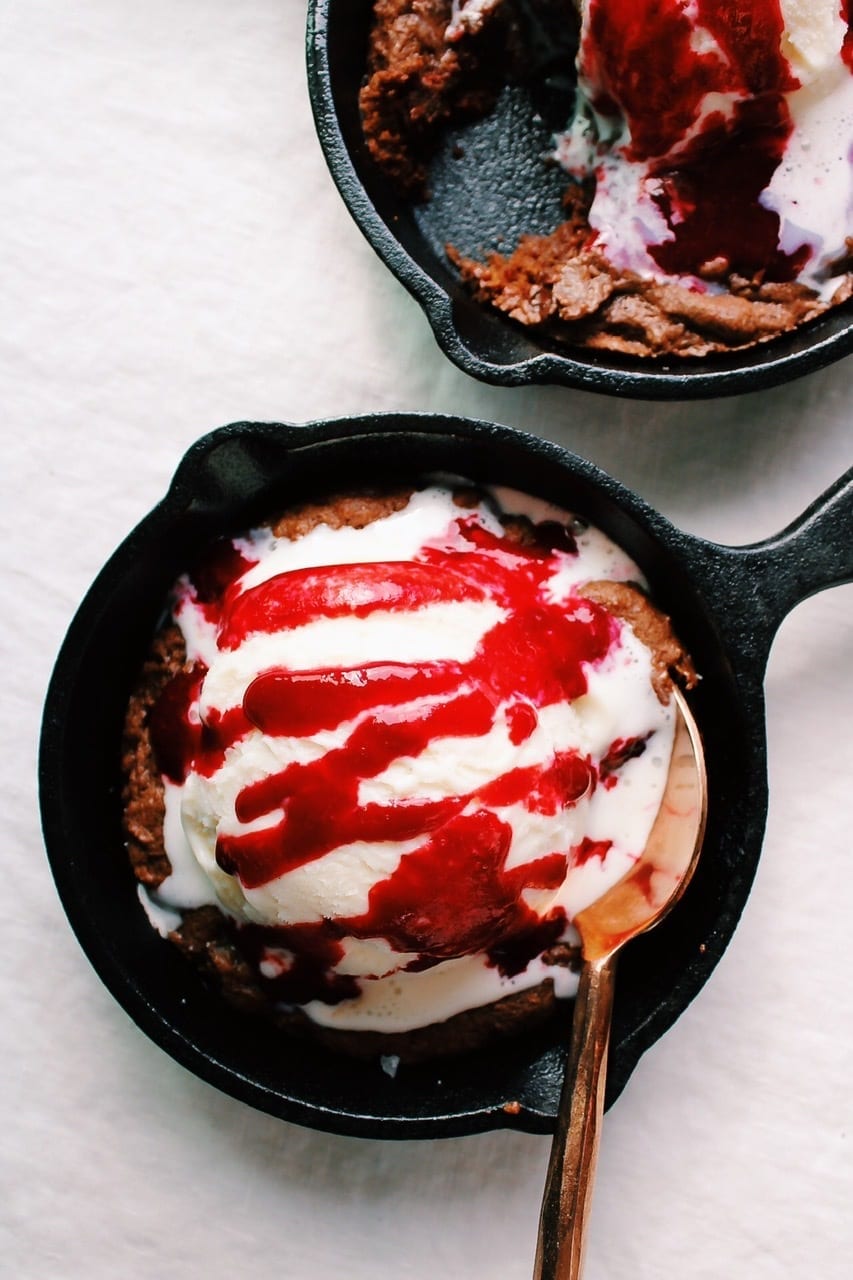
(522, 807)
(720, 134)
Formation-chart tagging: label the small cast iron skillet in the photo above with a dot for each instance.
(726, 604)
(490, 186)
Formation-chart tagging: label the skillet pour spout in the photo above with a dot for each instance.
(725, 602)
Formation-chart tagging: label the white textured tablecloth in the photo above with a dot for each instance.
(175, 257)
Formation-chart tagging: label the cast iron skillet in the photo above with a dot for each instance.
(485, 198)
(726, 603)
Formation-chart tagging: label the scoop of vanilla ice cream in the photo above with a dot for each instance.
(464, 776)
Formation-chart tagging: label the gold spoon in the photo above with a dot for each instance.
(635, 903)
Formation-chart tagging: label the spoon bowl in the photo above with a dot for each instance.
(654, 884)
(636, 903)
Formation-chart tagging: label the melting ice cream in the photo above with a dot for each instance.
(720, 135)
(400, 758)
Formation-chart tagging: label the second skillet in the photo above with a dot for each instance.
(489, 187)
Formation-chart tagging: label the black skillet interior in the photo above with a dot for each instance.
(227, 480)
(490, 185)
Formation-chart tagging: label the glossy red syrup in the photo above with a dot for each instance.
(297, 703)
(338, 591)
(642, 56)
(522, 720)
(453, 894)
(451, 897)
(589, 849)
(182, 743)
(175, 739)
(847, 47)
(217, 571)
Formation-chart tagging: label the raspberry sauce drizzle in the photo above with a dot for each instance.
(451, 897)
(537, 652)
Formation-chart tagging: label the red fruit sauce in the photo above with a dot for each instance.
(644, 58)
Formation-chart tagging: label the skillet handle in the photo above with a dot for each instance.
(764, 581)
(816, 551)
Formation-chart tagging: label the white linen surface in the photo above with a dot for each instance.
(176, 257)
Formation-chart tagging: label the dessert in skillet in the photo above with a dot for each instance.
(710, 182)
(384, 750)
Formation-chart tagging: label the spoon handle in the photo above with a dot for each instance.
(571, 1169)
